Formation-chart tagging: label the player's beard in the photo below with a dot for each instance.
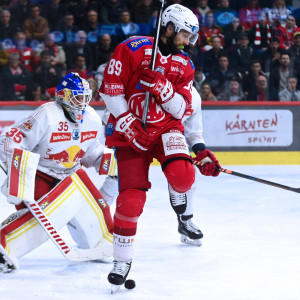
(171, 45)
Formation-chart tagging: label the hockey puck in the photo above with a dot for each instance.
(129, 284)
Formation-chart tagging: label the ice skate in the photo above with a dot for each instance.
(118, 274)
(190, 233)
(7, 264)
(177, 200)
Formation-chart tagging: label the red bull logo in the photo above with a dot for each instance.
(68, 157)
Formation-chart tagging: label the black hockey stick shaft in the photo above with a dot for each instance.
(152, 64)
(249, 177)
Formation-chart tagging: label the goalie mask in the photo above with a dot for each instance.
(74, 94)
(183, 19)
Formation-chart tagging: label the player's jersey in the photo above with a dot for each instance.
(122, 77)
(60, 142)
(192, 121)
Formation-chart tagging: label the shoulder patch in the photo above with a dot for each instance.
(135, 44)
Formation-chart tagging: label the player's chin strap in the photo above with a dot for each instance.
(21, 171)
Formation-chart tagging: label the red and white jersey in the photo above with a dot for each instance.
(61, 143)
(122, 78)
(192, 121)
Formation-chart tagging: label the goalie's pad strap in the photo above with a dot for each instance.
(21, 173)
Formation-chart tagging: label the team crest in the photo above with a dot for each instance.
(27, 126)
(160, 69)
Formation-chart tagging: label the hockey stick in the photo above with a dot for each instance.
(152, 65)
(72, 254)
(249, 177)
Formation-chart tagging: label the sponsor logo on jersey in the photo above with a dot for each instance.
(180, 59)
(113, 88)
(75, 134)
(146, 62)
(27, 126)
(176, 70)
(148, 52)
(67, 157)
(136, 105)
(60, 137)
(138, 43)
(176, 142)
(88, 135)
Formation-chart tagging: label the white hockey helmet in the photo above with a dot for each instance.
(183, 19)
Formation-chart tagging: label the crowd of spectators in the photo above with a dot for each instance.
(246, 50)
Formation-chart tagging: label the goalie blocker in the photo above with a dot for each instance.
(74, 202)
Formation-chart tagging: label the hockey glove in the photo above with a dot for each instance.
(211, 165)
(131, 129)
(157, 84)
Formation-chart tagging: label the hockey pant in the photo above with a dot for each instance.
(74, 202)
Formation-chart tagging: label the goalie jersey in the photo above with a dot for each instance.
(63, 145)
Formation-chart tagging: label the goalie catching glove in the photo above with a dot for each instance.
(211, 165)
(128, 126)
(157, 84)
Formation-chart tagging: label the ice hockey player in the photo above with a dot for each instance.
(49, 149)
(127, 78)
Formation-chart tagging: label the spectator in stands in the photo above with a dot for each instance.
(224, 14)
(95, 89)
(80, 67)
(47, 75)
(27, 56)
(126, 27)
(68, 28)
(92, 22)
(15, 77)
(242, 55)
(3, 59)
(249, 14)
(261, 91)
(278, 76)
(285, 32)
(290, 92)
(249, 79)
(209, 30)
(34, 92)
(58, 55)
(199, 78)
(54, 11)
(80, 46)
(232, 32)
(261, 34)
(80, 10)
(232, 91)
(20, 11)
(200, 10)
(294, 52)
(270, 58)
(7, 27)
(111, 10)
(210, 58)
(105, 47)
(278, 13)
(206, 93)
(142, 11)
(220, 74)
(36, 27)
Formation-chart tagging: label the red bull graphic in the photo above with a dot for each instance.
(68, 157)
(60, 137)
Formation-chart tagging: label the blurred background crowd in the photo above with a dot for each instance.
(248, 50)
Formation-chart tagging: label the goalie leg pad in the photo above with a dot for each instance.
(70, 199)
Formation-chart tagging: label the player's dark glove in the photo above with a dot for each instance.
(211, 165)
(157, 84)
(128, 126)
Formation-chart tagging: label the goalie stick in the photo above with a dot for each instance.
(249, 177)
(70, 253)
(152, 65)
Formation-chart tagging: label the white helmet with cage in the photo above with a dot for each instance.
(74, 94)
(183, 19)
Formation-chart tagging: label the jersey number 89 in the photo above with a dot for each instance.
(114, 67)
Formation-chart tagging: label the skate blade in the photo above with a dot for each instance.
(188, 241)
(114, 288)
